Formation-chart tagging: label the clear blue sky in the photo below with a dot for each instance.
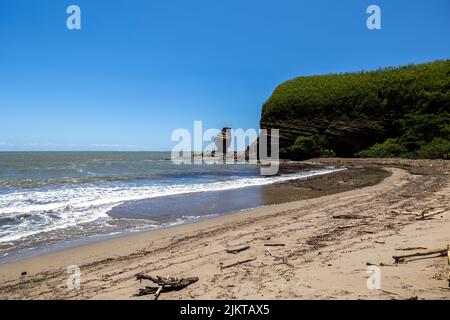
(139, 69)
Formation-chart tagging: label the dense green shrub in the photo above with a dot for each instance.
(419, 129)
(388, 149)
(326, 153)
(305, 147)
(439, 148)
(422, 88)
(421, 136)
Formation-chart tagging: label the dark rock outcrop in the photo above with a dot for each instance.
(344, 136)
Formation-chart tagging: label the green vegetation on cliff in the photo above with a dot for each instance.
(393, 112)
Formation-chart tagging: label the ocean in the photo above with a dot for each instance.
(53, 200)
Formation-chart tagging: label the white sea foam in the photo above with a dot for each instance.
(36, 211)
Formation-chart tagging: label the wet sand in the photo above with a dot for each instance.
(162, 212)
(206, 204)
(324, 256)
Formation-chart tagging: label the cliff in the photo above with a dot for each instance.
(344, 114)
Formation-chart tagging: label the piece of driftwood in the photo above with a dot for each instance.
(448, 257)
(401, 258)
(425, 215)
(348, 216)
(381, 264)
(345, 227)
(274, 244)
(236, 263)
(389, 292)
(401, 212)
(448, 253)
(411, 248)
(284, 260)
(158, 292)
(238, 249)
(164, 284)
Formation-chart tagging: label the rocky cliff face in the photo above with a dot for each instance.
(344, 136)
(351, 112)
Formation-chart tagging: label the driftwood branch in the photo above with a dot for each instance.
(164, 284)
(158, 292)
(349, 216)
(448, 257)
(283, 259)
(448, 254)
(411, 248)
(238, 249)
(346, 227)
(381, 264)
(236, 263)
(425, 215)
(401, 258)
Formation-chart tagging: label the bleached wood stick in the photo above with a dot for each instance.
(448, 256)
(448, 253)
(420, 254)
(411, 248)
(237, 263)
(238, 249)
(158, 292)
(423, 215)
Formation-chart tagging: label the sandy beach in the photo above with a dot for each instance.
(326, 241)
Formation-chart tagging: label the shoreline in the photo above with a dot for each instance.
(197, 249)
(210, 204)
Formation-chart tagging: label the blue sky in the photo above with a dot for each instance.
(138, 69)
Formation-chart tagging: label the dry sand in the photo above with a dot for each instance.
(323, 257)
